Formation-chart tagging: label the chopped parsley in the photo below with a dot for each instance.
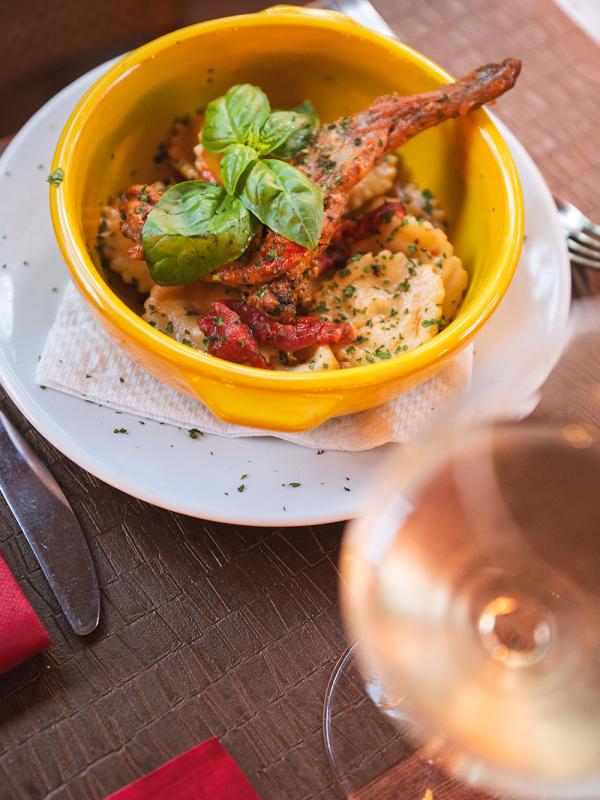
(429, 322)
(381, 352)
(294, 484)
(326, 163)
(241, 488)
(349, 290)
(120, 430)
(56, 177)
(194, 433)
(169, 327)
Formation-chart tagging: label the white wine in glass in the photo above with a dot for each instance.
(472, 586)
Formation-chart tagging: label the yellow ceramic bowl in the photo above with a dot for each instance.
(111, 137)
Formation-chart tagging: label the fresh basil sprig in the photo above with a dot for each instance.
(241, 124)
(194, 228)
(197, 227)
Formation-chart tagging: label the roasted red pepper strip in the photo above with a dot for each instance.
(369, 223)
(302, 332)
(230, 338)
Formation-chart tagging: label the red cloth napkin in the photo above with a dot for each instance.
(206, 772)
(22, 635)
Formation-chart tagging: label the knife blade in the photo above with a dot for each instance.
(51, 528)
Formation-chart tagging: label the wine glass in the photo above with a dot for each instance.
(472, 587)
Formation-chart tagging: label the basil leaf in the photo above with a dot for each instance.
(275, 131)
(194, 228)
(305, 125)
(235, 118)
(236, 158)
(284, 199)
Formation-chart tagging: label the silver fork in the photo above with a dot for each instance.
(583, 240)
(583, 236)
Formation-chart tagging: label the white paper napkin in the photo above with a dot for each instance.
(81, 360)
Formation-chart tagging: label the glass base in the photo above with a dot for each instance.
(370, 744)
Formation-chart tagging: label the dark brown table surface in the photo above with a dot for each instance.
(210, 629)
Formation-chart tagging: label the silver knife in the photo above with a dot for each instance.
(51, 528)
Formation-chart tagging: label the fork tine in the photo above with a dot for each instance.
(591, 227)
(583, 238)
(590, 253)
(580, 261)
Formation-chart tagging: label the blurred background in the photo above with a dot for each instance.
(46, 44)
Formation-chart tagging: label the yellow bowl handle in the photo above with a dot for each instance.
(257, 408)
(302, 11)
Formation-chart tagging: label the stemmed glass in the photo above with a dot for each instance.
(471, 585)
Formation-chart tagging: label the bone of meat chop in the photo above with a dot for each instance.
(345, 150)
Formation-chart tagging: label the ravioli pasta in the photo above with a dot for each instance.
(401, 282)
(424, 244)
(377, 182)
(113, 247)
(393, 306)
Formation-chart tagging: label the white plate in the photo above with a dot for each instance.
(200, 477)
